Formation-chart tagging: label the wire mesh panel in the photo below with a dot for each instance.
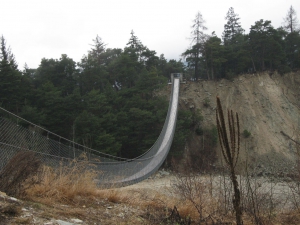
(56, 150)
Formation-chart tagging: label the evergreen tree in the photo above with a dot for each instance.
(27, 87)
(234, 46)
(97, 52)
(266, 46)
(93, 73)
(110, 55)
(10, 78)
(214, 56)
(50, 102)
(292, 50)
(135, 46)
(60, 73)
(174, 66)
(134, 42)
(232, 27)
(125, 70)
(149, 59)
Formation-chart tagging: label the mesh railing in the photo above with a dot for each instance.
(53, 149)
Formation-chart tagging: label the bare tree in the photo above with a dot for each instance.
(198, 39)
(198, 28)
(290, 21)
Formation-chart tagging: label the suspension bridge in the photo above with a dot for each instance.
(53, 149)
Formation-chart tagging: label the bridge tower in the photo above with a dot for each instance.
(177, 75)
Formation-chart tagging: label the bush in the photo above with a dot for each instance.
(21, 167)
(206, 102)
(213, 132)
(199, 131)
(246, 133)
(230, 75)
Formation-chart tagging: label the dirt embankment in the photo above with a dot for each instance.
(268, 106)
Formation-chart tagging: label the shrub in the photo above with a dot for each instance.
(246, 133)
(199, 131)
(206, 102)
(20, 168)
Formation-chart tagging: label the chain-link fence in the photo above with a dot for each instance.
(54, 150)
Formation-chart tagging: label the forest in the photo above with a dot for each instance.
(108, 100)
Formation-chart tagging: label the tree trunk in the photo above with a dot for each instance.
(253, 64)
(236, 199)
(197, 64)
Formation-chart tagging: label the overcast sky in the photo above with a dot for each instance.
(36, 29)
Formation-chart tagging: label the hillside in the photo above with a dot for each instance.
(268, 107)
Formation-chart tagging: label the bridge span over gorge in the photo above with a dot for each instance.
(53, 149)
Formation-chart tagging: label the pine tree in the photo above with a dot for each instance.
(266, 46)
(135, 46)
(133, 42)
(232, 27)
(292, 50)
(214, 55)
(10, 79)
(96, 53)
(234, 46)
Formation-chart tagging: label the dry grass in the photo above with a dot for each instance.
(158, 205)
(292, 217)
(64, 184)
(20, 168)
(115, 196)
(11, 210)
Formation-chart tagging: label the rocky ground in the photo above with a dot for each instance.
(98, 211)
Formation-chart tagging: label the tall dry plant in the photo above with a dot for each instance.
(230, 151)
(65, 183)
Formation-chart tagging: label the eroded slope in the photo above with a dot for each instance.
(268, 106)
